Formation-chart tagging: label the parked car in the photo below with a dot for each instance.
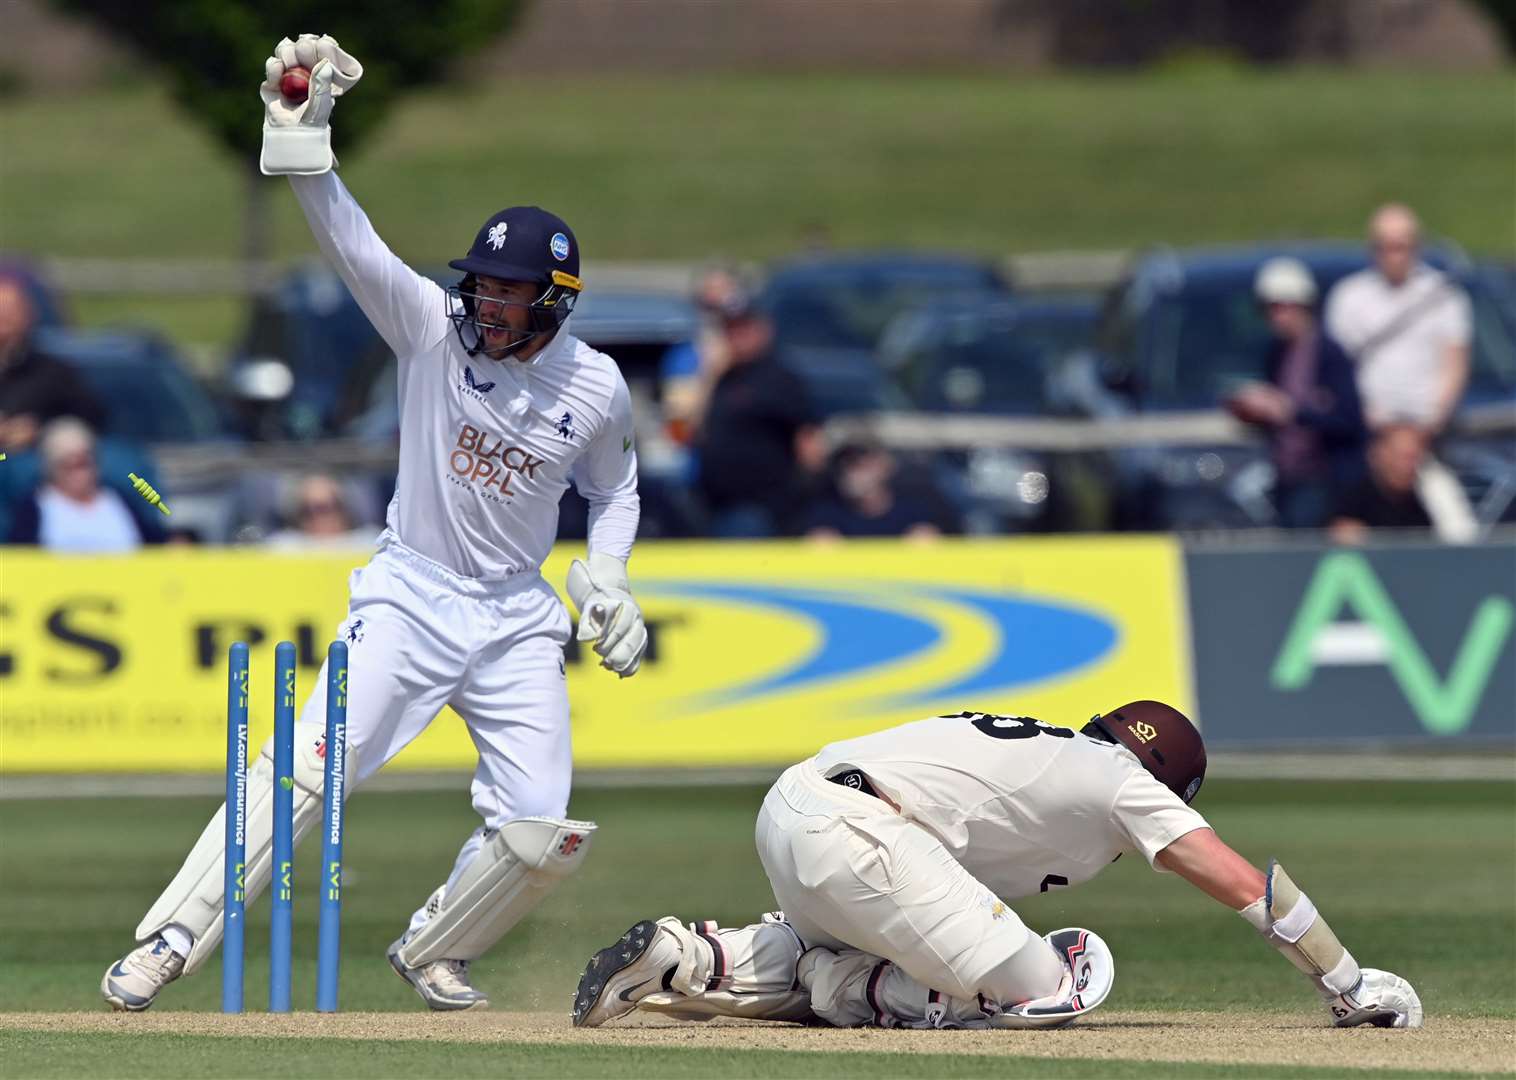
(990, 354)
(149, 395)
(293, 370)
(151, 404)
(830, 312)
(1181, 331)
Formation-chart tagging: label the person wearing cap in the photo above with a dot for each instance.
(501, 407)
(1308, 406)
(1407, 326)
(895, 857)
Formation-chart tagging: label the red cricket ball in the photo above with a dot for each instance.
(296, 84)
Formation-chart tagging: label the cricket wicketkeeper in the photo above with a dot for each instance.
(893, 857)
(500, 407)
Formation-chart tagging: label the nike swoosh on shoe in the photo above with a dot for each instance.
(632, 990)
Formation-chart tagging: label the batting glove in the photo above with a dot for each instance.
(1381, 998)
(297, 137)
(608, 615)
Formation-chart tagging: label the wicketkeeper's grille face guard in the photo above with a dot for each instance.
(545, 314)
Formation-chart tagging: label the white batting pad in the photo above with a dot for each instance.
(194, 898)
(513, 872)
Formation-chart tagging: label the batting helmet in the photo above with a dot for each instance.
(521, 243)
(1163, 739)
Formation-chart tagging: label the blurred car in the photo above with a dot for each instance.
(990, 354)
(830, 311)
(152, 405)
(305, 338)
(148, 394)
(1182, 330)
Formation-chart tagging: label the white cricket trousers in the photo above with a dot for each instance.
(420, 637)
(880, 925)
(853, 875)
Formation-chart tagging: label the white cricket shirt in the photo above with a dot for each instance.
(1023, 815)
(487, 447)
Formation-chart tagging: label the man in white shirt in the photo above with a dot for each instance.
(894, 855)
(500, 407)
(1407, 325)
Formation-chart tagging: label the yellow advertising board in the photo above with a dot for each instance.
(760, 653)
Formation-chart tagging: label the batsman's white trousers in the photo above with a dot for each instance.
(852, 873)
(421, 637)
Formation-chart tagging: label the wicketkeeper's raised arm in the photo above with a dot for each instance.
(408, 310)
(1274, 906)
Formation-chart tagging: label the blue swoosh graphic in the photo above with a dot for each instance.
(855, 635)
(1038, 640)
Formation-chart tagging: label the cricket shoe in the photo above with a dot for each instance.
(1090, 972)
(442, 984)
(132, 983)
(650, 958)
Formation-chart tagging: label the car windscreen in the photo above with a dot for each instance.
(1492, 375)
(1201, 345)
(850, 310)
(996, 368)
(149, 401)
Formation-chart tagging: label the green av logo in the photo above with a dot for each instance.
(1379, 636)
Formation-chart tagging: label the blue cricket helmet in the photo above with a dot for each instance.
(520, 243)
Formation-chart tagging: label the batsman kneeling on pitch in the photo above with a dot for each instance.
(893, 857)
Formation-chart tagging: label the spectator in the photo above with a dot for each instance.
(34, 389)
(321, 518)
(1386, 498)
(866, 500)
(690, 368)
(1406, 325)
(72, 511)
(1309, 406)
(759, 444)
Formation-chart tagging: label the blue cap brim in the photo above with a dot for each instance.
(502, 271)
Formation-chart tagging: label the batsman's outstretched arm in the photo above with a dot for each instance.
(1204, 860)
(408, 310)
(1274, 906)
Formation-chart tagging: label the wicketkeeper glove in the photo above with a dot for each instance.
(608, 615)
(297, 138)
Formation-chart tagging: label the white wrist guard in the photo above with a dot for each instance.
(1287, 919)
(298, 151)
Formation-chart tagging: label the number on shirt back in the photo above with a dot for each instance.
(1014, 727)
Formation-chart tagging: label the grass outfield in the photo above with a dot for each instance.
(1416, 877)
(744, 165)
